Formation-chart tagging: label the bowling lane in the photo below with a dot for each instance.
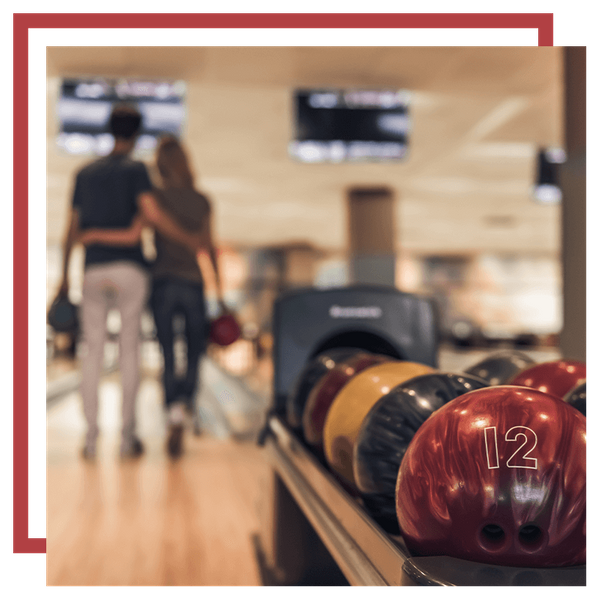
(152, 521)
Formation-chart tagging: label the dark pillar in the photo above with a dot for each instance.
(372, 235)
(573, 172)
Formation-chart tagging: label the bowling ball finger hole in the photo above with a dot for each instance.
(492, 537)
(531, 537)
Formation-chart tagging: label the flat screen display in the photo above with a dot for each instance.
(84, 107)
(350, 125)
(547, 188)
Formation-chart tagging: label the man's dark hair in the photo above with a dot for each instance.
(125, 121)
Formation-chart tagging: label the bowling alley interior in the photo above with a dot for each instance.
(393, 388)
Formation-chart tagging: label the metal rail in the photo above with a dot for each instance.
(363, 551)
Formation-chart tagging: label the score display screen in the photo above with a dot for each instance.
(350, 125)
(84, 107)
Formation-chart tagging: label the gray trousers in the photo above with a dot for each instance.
(124, 286)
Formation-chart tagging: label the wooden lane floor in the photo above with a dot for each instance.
(150, 521)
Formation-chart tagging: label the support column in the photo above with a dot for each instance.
(371, 225)
(572, 179)
(301, 262)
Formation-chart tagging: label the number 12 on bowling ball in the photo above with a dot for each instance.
(497, 476)
(520, 459)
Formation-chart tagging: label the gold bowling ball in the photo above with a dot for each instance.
(352, 404)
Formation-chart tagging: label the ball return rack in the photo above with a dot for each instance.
(315, 532)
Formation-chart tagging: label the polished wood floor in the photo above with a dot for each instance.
(150, 521)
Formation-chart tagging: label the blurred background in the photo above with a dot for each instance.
(468, 228)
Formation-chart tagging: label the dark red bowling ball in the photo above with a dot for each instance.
(311, 373)
(389, 428)
(553, 377)
(497, 476)
(577, 398)
(225, 330)
(499, 367)
(325, 391)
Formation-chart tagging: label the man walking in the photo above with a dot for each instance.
(106, 196)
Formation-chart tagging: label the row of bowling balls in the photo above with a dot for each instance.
(487, 464)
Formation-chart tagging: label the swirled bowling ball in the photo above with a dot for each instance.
(500, 367)
(388, 429)
(351, 406)
(577, 398)
(309, 376)
(323, 393)
(553, 377)
(498, 476)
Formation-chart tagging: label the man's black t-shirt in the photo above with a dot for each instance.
(105, 197)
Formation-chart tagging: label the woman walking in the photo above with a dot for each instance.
(178, 285)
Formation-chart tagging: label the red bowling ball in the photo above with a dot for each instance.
(310, 376)
(324, 393)
(497, 476)
(555, 377)
(225, 330)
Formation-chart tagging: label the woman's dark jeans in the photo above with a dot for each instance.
(179, 297)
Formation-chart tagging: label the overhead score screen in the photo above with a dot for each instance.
(546, 189)
(84, 107)
(350, 125)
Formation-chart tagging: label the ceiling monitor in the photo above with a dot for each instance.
(84, 107)
(546, 189)
(350, 125)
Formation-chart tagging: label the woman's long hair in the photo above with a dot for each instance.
(173, 164)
